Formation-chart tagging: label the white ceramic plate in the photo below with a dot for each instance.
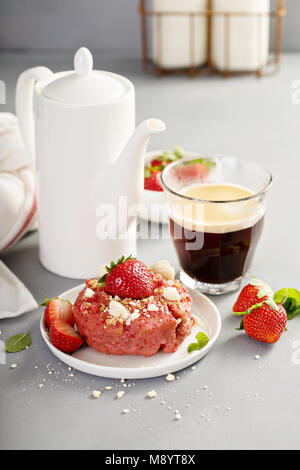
(138, 367)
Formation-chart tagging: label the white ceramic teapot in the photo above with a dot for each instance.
(82, 121)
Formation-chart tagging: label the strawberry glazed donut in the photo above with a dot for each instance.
(114, 325)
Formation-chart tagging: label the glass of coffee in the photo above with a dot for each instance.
(216, 209)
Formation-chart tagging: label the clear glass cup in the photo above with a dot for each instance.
(215, 239)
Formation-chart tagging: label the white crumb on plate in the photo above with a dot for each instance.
(41, 385)
(96, 393)
(152, 308)
(126, 411)
(152, 394)
(171, 294)
(178, 415)
(164, 268)
(14, 366)
(120, 394)
(257, 357)
(108, 387)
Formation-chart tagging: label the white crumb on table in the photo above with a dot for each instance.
(178, 415)
(41, 385)
(96, 393)
(120, 394)
(152, 394)
(126, 411)
(14, 366)
(257, 357)
(108, 387)
(170, 377)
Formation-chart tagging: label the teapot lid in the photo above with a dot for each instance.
(85, 86)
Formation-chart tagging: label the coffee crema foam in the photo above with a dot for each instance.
(216, 217)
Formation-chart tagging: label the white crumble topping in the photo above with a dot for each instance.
(153, 308)
(133, 316)
(120, 394)
(96, 393)
(171, 293)
(170, 377)
(117, 310)
(164, 268)
(88, 293)
(152, 394)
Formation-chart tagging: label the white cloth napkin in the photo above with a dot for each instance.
(17, 212)
(17, 184)
(15, 298)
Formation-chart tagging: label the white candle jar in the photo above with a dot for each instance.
(240, 43)
(179, 41)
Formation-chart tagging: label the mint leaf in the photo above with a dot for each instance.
(202, 341)
(193, 347)
(290, 300)
(17, 343)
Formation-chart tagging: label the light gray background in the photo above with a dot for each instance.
(99, 24)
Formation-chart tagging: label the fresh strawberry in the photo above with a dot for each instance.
(64, 337)
(152, 183)
(129, 278)
(58, 309)
(254, 292)
(265, 322)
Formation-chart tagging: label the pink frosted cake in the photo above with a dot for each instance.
(133, 310)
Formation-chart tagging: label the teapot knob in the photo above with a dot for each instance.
(83, 61)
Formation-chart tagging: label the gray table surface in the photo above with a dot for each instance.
(248, 403)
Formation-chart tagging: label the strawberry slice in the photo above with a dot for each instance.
(58, 309)
(64, 337)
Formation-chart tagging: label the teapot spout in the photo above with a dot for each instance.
(135, 148)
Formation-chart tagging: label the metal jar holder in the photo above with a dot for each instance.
(208, 68)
